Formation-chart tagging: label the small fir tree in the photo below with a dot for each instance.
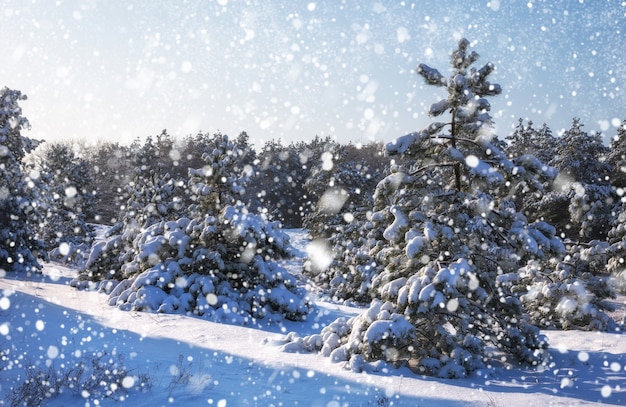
(69, 202)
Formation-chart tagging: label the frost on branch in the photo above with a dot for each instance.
(438, 108)
(401, 145)
(431, 75)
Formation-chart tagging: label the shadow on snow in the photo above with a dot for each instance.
(180, 372)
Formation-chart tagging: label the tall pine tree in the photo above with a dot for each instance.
(451, 242)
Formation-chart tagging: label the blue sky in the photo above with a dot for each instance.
(118, 70)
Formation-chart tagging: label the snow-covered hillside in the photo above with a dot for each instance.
(146, 359)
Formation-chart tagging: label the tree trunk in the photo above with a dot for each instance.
(457, 166)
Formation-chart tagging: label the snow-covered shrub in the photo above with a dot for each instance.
(569, 295)
(565, 305)
(219, 267)
(219, 262)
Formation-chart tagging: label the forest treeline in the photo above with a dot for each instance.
(290, 179)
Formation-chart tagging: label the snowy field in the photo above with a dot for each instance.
(184, 360)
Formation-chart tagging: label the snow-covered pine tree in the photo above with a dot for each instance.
(282, 174)
(220, 261)
(152, 196)
(617, 157)
(20, 245)
(616, 253)
(453, 241)
(344, 182)
(69, 202)
(584, 181)
(527, 140)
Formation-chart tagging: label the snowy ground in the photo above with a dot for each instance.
(193, 362)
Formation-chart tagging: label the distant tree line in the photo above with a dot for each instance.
(295, 183)
(288, 179)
